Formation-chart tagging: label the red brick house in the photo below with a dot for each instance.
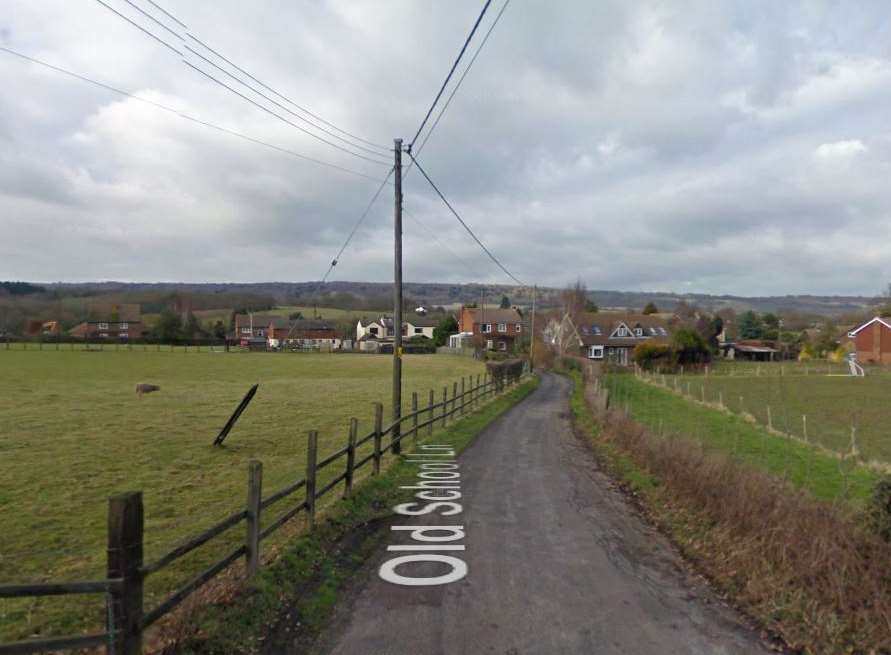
(120, 322)
(872, 341)
(276, 329)
(491, 328)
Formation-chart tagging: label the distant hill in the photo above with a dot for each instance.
(359, 295)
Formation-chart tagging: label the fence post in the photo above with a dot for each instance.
(445, 403)
(430, 403)
(378, 429)
(252, 541)
(125, 532)
(769, 419)
(414, 412)
(476, 393)
(351, 457)
(311, 452)
(463, 397)
(454, 399)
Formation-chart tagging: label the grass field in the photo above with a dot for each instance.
(826, 476)
(832, 401)
(73, 432)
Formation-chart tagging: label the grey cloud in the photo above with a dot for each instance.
(638, 145)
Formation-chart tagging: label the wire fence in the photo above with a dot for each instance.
(827, 459)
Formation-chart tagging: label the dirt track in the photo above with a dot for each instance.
(558, 562)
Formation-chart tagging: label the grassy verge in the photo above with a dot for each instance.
(827, 476)
(809, 571)
(292, 598)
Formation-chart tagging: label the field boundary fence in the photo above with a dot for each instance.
(127, 618)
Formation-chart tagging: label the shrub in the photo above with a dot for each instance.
(689, 347)
(649, 355)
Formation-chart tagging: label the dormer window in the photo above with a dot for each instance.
(638, 332)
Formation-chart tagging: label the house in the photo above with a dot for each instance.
(121, 322)
(872, 341)
(381, 328)
(610, 337)
(254, 325)
(276, 330)
(491, 328)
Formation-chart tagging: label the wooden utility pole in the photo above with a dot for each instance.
(532, 336)
(397, 299)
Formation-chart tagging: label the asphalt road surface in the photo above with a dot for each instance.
(557, 562)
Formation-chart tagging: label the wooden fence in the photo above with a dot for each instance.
(127, 619)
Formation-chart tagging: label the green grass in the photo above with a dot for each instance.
(73, 432)
(832, 403)
(827, 477)
(311, 570)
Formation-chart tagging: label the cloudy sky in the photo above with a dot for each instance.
(724, 147)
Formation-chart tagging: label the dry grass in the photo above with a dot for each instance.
(810, 571)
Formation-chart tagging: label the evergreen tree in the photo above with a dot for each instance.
(505, 302)
(651, 308)
(169, 325)
(750, 326)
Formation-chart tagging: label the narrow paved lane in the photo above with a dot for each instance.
(557, 563)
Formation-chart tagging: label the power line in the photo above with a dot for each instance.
(466, 227)
(441, 244)
(282, 118)
(356, 226)
(463, 75)
(141, 28)
(451, 71)
(153, 19)
(263, 84)
(283, 97)
(281, 106)
(181, 54)
(193, 119)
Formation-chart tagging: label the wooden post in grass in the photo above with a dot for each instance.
(414, 415)
(689, 395)
(463, 397)
(351, 457)
(312, 446)
(252, 540)
(454, 399)
(430, 402)
(445, 398)
(721, 399)
(476, 394)
(742, 407)
(125, 532)
(378, 436)
(769, 419)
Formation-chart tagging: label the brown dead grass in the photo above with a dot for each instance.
(811, 572)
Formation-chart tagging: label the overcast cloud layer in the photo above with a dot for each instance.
(724, 147)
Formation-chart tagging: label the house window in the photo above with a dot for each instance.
(260, 333)
(490, 345)
(596, 352)
(103, 326)
(373, 330)
(125, 326)
(419, 330)
(595, 330)
(638, 332)
(123, 335)
(519, 328)
(486, 328)
(502, 327)
(502, 345)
